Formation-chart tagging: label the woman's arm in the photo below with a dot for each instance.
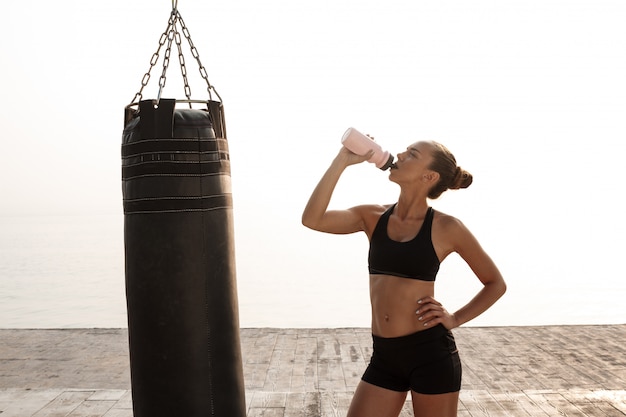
(431, 312)
(316, 215)
(486, 271)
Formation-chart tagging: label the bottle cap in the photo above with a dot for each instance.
(387, 164)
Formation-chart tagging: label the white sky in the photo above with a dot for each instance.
(529, 95)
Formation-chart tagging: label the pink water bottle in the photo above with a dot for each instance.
(360, 144)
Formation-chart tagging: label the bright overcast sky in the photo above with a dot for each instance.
(529, 95)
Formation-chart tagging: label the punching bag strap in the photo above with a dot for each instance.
(216, 111)
(157, 120)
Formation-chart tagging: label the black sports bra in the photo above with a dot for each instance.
(415, 259)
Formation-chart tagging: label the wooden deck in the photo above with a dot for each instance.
(507, 371)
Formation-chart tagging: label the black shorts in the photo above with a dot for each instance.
(426, 362)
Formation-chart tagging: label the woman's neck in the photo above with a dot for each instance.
(412, 205)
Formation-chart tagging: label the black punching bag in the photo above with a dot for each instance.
(183, 322)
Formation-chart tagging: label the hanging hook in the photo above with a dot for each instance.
(174, 4)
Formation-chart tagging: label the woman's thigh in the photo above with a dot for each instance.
(435, 405)
(372, 401)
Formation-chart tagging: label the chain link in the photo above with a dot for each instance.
(195, 54)
(172, 35)
(153, 61)
(183, 68)
(166, 56)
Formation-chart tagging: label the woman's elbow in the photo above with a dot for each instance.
(496, 286)
(501, 287)
(307, 221)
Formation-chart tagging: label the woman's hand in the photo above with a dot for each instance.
(430, 312)
(346, 157)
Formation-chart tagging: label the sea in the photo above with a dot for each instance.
(62, 271)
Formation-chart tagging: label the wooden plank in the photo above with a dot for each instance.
(92, 409)
(352, 360)
(516, 404)
(407, 409)
(64, 404)
(528, 404)
(576, 402)
(471, 403)
(591, 405)
(617, 398)
(304, 377)
(563, 406)
(265, 399)
(329, 364)
(108, 395)
(125, 402)
(538, 398)
(303, 404)
(278, 375)
(20, 403)
(119, 412)
(482, 403)
(536, 371)
(334, 404)
(267, 412)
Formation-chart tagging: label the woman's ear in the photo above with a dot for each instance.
(431, 176)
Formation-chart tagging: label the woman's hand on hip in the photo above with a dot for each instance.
(430, 312)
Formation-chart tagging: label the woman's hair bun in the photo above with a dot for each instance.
(462, 179)
(452, 177)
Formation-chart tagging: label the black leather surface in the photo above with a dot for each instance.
(183, 322)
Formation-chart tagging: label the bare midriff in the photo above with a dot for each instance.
(394, 302)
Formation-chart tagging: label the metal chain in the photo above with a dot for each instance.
(170, 35)
(153, 61)
(195, 54)
(183, 67)
(166, 56)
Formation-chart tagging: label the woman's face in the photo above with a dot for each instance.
(413, 164)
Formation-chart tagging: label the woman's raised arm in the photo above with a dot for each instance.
(316, 215)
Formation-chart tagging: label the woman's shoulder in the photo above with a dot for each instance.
(370, 213)
(447, 222)
(450, 233)
(372, 209)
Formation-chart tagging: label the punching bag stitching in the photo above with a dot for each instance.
(179, 139)
(175, 211)
(172, 162)
(172, 175)
(131, 155)
(175, 198)
(172, 159)
(206, 290)
(174, 204)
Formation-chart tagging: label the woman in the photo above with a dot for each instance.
(414, 349)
